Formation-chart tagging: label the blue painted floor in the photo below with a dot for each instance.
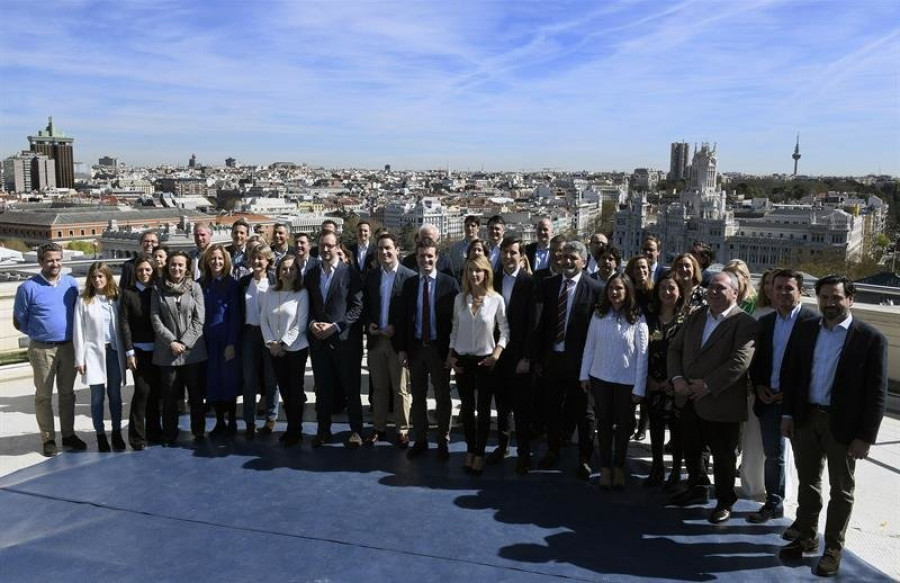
(252, 511)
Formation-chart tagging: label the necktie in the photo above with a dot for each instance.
(426, 312)
(561, 312)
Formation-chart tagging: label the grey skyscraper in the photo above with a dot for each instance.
(678, 161)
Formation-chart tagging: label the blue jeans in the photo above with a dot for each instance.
(113, 389)
(255, 354)
(773, 448)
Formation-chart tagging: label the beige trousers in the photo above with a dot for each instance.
(53, 363)
(389, 379)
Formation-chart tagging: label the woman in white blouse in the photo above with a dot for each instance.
(478, 311)
(614, 369)
(284, 310)
(99, 356)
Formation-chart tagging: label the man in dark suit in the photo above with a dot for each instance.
(411, 261)
(335, 338)
(554, 267)
(382, 309)
(708, 362)
(777, 331)
(835, 384)
(149, 241)
(651, 248)
(514, 392)
(240, 263)
(458, 251)
(362, 253)
(538, 253)
(280, 240)
(568, 300)
(496, 229)
(423, 342)
(302, 248)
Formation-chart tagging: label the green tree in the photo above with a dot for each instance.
(15, 244)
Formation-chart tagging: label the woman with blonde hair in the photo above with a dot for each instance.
(478, 313)
(746, 293)
(688, 270)
(99, 356)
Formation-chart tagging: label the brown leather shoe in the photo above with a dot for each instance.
(403, 440)
(374, 437)
(354, 441)
(268, 428)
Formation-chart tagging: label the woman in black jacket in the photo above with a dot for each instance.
(137, 337)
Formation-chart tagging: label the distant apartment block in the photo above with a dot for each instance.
(678, 161)
(29, 171)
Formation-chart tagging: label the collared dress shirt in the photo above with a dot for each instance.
(782, 333)
(561, 346)
(826, 355)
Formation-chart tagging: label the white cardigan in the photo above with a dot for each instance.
(89, 338)
(616, 352)
(283, 316)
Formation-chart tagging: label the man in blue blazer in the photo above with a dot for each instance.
(568, 300)
(381, 310)
(335, 338)
(777, 332)
(423, 342)
(835, 384)
(362, 252)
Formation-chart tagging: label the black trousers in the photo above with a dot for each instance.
(475, 386)
(722, 439)
(290, 369)
(143, 418)
(514, 395)
(173, 380)
(616, 412)
(565, 400)
(337, 366)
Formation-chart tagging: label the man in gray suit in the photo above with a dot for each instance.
(708, 362)
(381, 308)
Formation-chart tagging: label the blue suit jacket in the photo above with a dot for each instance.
(445, 292)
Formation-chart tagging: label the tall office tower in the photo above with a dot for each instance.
(58, 147)
(678, 161)
(192, 163)
(796, 155)
(29, 171)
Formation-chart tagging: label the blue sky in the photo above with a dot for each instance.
(494, 85)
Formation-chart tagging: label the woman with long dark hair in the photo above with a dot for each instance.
(667, 312)
(178, 313)
(137, 341)
(222, 332)
(99, 357)
(614, 369)
(284, 312)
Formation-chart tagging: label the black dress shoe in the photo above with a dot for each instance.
(419, 448)
(548, 461)
(443, 451)
(219, 430)
(321, 438)
(655, 478)
(374, 437)
(250, 432)
(496, 457)
(765, 514)
(138, 446)
(523, 465)
(118, 444)
(673, 481)
(74, 443)
(690, 497)
(795, 549)
(292, 440)
(719, 515)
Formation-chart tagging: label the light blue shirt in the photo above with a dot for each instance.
(780, 337)
(325, 280)
(495, 257)
(829, 345)
(432, 282)
(541, 256)
(106, 307)
(387, 287)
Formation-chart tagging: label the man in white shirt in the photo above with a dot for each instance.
(708, 362)
(202, 239)
(381, 299)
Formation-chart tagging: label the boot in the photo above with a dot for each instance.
(118, 443)
(102, 442)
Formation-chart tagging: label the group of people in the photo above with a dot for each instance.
(560, 338)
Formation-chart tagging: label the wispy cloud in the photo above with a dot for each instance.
(499, 84)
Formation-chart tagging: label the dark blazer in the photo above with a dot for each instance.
(859, 393)
(344, 303)
(659, 271)
(444, 265)
(722, 363)
(372, 298)
(587, 294)
(521, 313)
(530, 252)
(445, 292)
(310, 263)
(370, 257)
(761, 367)
(126, 279)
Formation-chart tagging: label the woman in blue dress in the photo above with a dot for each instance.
(221, 330)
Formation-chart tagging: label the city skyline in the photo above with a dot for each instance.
(499, 86)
